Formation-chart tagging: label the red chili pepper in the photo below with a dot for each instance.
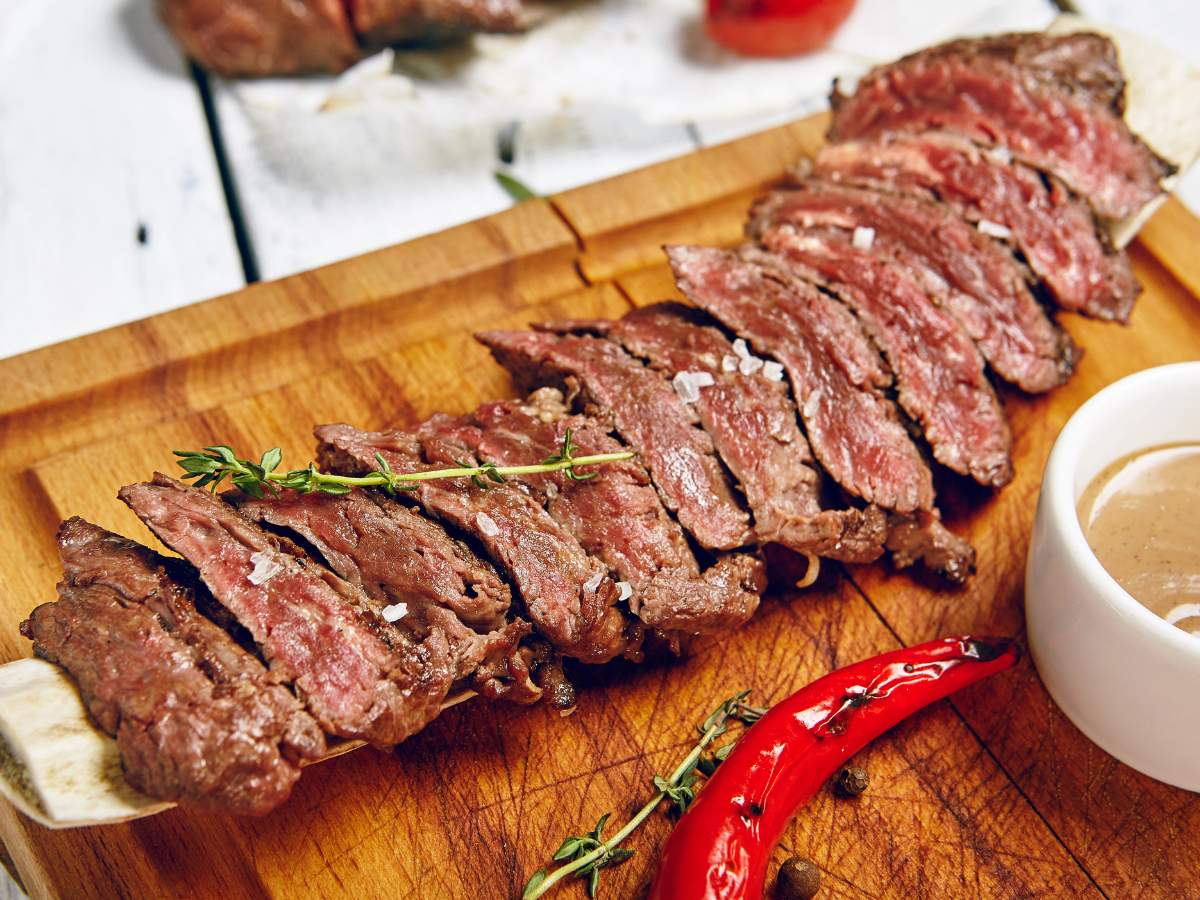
(722, 846)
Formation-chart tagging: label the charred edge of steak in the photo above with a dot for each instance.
(197, 719)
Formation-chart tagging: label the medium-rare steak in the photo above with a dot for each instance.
(359, 676)
(939, 374)
(998, 101)
(753, 423)
(383, 22)
(1055, 231)
(647, 413)
(197, 719)
(966, 272)
(617, 516)
(262, 37)
(921, 537)
(399, 557)
(837, 376)
(567, 594)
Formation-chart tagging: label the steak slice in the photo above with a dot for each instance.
(567, 594)
(753, 423)
(262, 37)
(383, 22)
(967, 273)
(359, 676)
(1001, 102)
(838, 378)
(616, 516)
(399, 557)
(1054, 230)
(939, 373)
(646, 412)
(197, 719)
(921, 537)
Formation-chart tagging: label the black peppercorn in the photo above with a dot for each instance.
(852, 781)
(798, 879)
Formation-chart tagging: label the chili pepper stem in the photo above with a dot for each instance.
(689, 762)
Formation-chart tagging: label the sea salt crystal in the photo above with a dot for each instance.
(266, 567)
(729, 363)
(1000, 155)
(750, 366)
(740, 348)
(626, 590)
(702, 379)
(994, 229)
(863, 238)
(395, 612)
(811, 404)
(487, 524)
(685, 388)
(593, 583)
(551, 490)
(773, 371)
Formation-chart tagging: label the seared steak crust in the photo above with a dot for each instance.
(647, 413)
(998, 101)
(566, 593)
(398, 556)
(616, 516)
(383, 22)
(1054, 230)
(939, 373)
(837, 377)
(357, 675)
(967, 273)
(262, 37)
(197, 719)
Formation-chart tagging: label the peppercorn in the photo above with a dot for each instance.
(852, 781)
(798, 879)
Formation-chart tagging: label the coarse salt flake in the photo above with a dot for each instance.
(811, 403)
(994, 229)
(487, 524)
(729, 363)
(266, 567)
(395, 612)
(740, 349)
(626, 590)
(863, 238)
(750, 366)
(593, 583)
(687, 391)
(1000, 155)
(551, 490)
(773, 371)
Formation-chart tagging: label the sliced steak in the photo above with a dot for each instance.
(197, 719)
(383, 22)
(1055, 231)
(648, 414)
(399, 557)
(262, 37)
(969, 274)
(1002, 102)
(357, 675)
(617, 516)
(838, 377)
(939, 373)
(753, 423)
(567, 593)
(921, 537)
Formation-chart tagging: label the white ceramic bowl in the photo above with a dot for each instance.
(1126, 678)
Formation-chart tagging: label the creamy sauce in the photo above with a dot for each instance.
(1141, 517)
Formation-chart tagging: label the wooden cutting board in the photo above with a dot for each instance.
(995, 794)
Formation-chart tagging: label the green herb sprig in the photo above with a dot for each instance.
(585, 855)
(214, 465)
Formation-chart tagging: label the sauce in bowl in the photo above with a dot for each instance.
(1141, 517)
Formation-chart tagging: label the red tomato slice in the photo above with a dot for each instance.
(774, 27)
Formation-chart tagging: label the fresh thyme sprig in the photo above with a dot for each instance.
(213, 465)
(585, 855)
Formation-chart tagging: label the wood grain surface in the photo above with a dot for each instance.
(993, 795)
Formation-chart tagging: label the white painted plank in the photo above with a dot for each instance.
(101, 131)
